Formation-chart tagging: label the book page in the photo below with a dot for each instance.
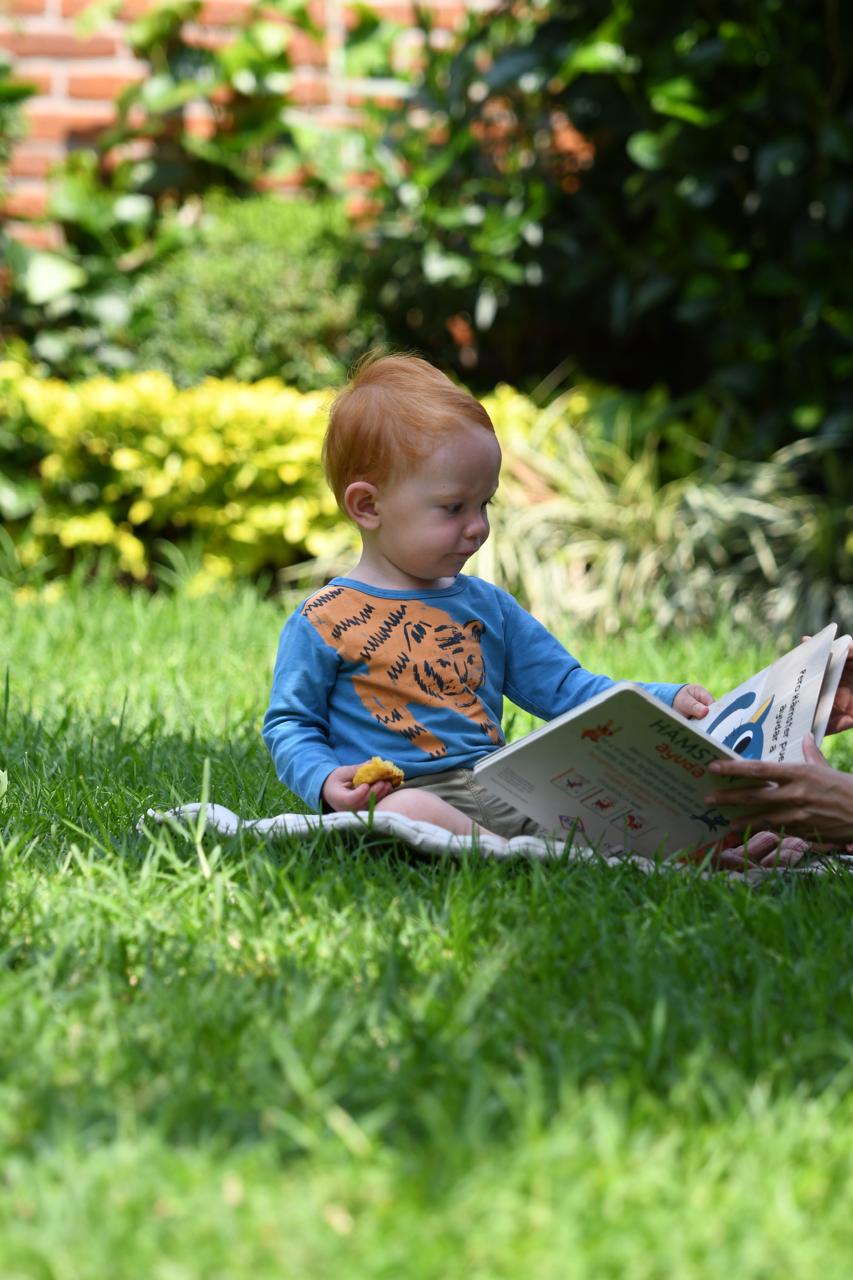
(829, 688)
(765, 717)
(623, 770)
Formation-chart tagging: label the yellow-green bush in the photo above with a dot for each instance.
(582, 520)
(122, 462)
(129, 460)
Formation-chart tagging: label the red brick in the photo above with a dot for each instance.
(25, 202)
(224, 13)
(206, 37)
(358, 94)
(305, 52)
(133, 9)
(56, 122)
(130, 10)
(35, 237)
(28, 162)
(57, 44)
(25, 6)
(449, 16)
(106, 87)
(309, 93)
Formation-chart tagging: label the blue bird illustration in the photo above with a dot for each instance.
(747, 737)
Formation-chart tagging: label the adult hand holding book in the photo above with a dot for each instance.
(809, 799)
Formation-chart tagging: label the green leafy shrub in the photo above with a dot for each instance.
(656, 194)
(260, 292)
(661, 192)
(13, 93)
(585, 522)
(71, 307)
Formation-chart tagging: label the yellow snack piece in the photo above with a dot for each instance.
(378, 770)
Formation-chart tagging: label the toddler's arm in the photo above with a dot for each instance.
(541, 675)
(296, 725)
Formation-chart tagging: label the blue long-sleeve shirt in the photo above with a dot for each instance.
(417, 677)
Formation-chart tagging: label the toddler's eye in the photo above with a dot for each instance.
(453, 507)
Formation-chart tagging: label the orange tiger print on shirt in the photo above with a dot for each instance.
(416, 655)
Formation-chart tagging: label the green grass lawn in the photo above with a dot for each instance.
(237, 1059)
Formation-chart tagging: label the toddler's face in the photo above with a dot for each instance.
(434, 518)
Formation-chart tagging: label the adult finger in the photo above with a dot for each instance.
(743, 768)
(737, 799)
(759, 845)
(731, 859)
(788, 852)
(812, 752)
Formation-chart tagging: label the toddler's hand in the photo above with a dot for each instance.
(339, 793)
(693, 701)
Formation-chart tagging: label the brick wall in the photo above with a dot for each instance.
(79, 76)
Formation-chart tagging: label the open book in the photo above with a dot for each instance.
(625, 770)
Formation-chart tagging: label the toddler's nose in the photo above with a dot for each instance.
(478, 527)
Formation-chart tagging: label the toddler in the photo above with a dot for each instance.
(407, 657)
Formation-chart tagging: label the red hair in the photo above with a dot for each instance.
(393, 411)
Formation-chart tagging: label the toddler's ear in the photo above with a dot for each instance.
(360, 503)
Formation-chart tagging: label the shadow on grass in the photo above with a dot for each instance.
(237, 989)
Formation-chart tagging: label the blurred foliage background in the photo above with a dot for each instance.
(645, 209)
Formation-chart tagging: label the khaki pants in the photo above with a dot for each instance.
(460, 788)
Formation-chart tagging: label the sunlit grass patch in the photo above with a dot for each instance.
(249, 1058)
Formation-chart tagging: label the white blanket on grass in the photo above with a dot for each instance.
(426, 838)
